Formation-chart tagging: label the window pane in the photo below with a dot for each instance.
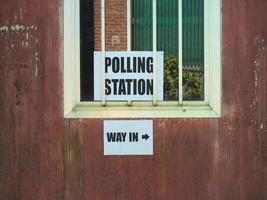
(142, 25)
(193, 49)
(167, 37)
(87, 49)
(90, 37)
(167, 27)
(167, 41)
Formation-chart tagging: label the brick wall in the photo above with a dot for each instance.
(116, 24)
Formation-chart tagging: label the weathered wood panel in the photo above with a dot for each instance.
(193, 159)
(241, 162)
(31, 123)
(182, 167)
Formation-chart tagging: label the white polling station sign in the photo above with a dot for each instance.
(128, 137)
(128, 75)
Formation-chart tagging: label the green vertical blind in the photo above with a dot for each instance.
(193, 32)
(167, 28)
(142, 25)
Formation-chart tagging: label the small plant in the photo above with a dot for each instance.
(171, 78)
(191, 81)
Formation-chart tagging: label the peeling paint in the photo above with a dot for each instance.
(261, 125)
(36, 57)
(20, 13)
(17, 28)
(4, 29)
(26, 44)
(259, 46)
(259, 43)
(20, 38)
(36, 70)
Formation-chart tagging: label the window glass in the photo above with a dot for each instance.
(167, 41)
(87, 47)
(141, 36)
(193, 49)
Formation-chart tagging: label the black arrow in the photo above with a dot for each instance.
(146, 136)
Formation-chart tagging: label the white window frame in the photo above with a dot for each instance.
(209, 108)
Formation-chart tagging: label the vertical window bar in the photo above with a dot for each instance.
(129, 25)
(154, 28)
(103, 49)
(180, 42)
(129, 14)
(206, 53)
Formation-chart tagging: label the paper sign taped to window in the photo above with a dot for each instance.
(128, 75)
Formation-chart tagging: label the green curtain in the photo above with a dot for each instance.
(167, 28)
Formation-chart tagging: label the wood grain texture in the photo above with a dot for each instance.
(31, 123)
(242, 168)
(194, 159)
(182, 167)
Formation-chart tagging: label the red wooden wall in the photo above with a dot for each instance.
(43, 156)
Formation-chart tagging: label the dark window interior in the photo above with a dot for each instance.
(87, 49)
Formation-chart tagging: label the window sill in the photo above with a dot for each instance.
(142, 110)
